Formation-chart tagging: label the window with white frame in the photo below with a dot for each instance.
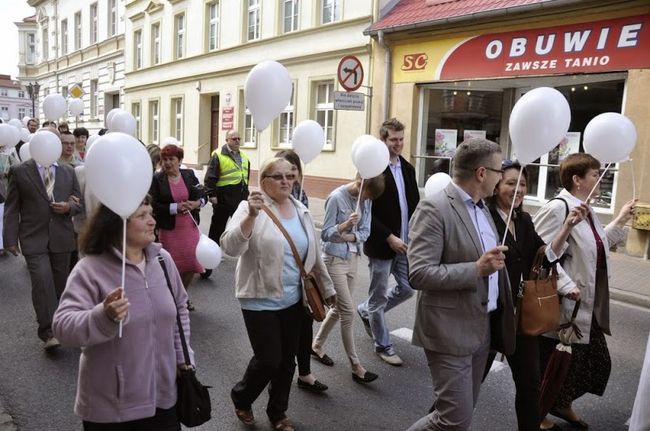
(212, 14)
(137, 51)
(177, 118)
(94, 98)
(3, 92)
(287, 122)
(93, 23)
(155, 43)
(45, 41)
(77, 30)
(21, 94)
(154, 124)
(30, 52)
(289, 15)
(324, 107)
(253, 20)
(4, 112)
(249, 136)
(179, 41)
(22, 112)
(64, 36)
(330, 11)
(112, 17)
(64, 91)
(135, 111)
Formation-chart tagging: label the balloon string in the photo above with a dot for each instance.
(633, 181)
(359, 197)
(512, 206)
(119, 330)
(302, 188)
(597, 182)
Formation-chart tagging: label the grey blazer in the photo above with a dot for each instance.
(451, 311)
(28, 215)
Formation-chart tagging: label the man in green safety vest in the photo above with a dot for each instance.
(226, 184)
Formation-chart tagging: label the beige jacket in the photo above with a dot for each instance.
(261, 257)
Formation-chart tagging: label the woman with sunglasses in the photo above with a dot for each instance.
(269, 288)
(523, 243)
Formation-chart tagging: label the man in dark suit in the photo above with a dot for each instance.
(386, 246)
(38, 212)
(464, 301)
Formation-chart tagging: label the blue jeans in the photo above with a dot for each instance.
(381, 298)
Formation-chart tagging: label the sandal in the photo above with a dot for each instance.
(324, 359)
(578, 424)
(283, 425)
(245, 416)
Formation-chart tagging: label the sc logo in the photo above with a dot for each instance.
(414, 62)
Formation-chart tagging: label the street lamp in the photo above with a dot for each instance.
(32, 90)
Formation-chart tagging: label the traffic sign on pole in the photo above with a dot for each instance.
(350, 73)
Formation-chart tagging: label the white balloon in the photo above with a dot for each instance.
(436, 182)
(45, 147)
(371, 158)
(109, 117)
(123, 122)
(119, 172)
(610, 137)
(25, 136)
(24, 152)
(538, 122)
(53, 107)
(9, 136)
(89, 142)
(169, 140)
(208, 252)
(26, 120)
(76, 107)
(308, 140)
(16, 123)
(267, 92)
(357, 143)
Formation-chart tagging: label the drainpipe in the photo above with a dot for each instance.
(387, 76)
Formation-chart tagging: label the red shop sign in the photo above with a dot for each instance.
(600, 46)
(227, 117)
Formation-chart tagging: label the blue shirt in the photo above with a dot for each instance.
(396, 170)
(488, 239)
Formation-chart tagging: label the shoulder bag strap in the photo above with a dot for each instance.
(294, 250)
(186, 353)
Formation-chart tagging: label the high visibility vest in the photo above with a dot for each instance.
(230, 173)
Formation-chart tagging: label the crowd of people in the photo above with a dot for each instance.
(446, 248)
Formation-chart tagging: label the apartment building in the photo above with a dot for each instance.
(14, 100)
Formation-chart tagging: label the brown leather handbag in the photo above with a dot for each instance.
(310, 282)
(538, 305)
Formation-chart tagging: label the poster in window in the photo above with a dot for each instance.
(474, 134)
(445, 142)
(569, 145)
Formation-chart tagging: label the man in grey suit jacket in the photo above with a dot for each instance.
(43, 225)
(464, 300)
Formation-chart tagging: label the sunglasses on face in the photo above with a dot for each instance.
(280, 177)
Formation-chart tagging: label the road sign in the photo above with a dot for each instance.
(350, 73)
(76, 91)
(349, 101)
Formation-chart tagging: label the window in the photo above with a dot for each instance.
(77, 30)
(93, 23)
(324, 107)
(137, 52)
(21, 94)
(330, 11)
(213, 25)
(179, 30)
(249, 136)
(3, 92)
(153, 121)
(289, 15)
(94, 98)
(46, 41)
(64, 36)
(30, 52)
(287, 122)
(22, 112)
(253, 20)
(155, 43)
(112, 17)
(64, 91)
(4, 112)
(177, 118)
(135, 111)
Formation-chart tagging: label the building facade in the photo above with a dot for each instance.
(76, 43)
(14, 101)
(455, 70)
(188, 61)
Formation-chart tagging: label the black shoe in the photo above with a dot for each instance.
(577, 424)
(190, 306)
(555, 427)
(315, 387)
(367, 378)
(325, 360)
(206, 274)
(366, 324)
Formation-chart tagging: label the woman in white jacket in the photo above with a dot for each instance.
(586, 263)
(269, 288)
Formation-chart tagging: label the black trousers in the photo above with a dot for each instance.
(163, 420)
(220, 215)
(525, 367)
(274, 338)
(304, 344)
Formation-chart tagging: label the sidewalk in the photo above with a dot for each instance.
(6, 422)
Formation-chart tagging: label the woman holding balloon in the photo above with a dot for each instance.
(177, 198)
(587, 265)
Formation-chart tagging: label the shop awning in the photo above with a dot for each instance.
(408, 14)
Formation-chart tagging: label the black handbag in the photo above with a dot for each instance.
(193, 405)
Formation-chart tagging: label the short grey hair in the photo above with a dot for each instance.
(472, 154)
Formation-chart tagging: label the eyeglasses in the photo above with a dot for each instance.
(497, 171)
(280, 177)
(235, 139)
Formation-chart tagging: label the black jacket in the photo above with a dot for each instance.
(162, 197)
(386, 217)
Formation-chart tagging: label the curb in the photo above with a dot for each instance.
(629, 297)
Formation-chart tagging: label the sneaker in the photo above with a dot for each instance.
(51, 344)
(390, 358)
(366, 323)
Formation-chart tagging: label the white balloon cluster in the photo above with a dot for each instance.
(75, 106)
(370, 156)
(121, 121)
